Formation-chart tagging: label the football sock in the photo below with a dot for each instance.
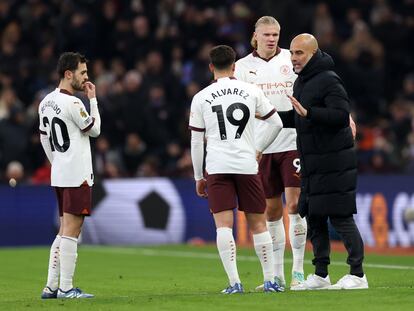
(321, 269)
(264, 250)
(277, 232)
(68, 255)
(322, 274)
(227, 250)
(297, 236)
(54, 264)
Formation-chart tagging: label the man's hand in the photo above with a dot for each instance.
(257, 116)
(258, 156)
(298, 107)
(201, 186)
(90, 89)
(352, 125)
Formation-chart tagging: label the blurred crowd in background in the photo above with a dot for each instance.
(148, 58)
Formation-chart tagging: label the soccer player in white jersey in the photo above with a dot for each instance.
(223, 115)
(65, 128)
(270, 68)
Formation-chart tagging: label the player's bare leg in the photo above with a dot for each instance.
(274, 213)
(297, 234)
(264, 249)
(227, 249)
(50, 291)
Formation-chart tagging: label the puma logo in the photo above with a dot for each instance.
(253, 72)
(296, 175)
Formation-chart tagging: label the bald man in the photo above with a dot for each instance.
(328, 162)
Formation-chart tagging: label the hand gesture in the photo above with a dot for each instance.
(298, 107)
(353, 126)
(90, 89)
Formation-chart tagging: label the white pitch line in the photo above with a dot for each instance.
(201, 255)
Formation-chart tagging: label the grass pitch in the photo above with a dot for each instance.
(190, 278)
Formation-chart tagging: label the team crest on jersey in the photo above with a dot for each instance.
(284, 69)
(83, 113)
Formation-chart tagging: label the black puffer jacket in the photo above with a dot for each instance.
(324, 141)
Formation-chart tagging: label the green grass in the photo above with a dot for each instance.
(189, 278)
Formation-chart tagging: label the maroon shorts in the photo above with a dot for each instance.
(226, 190)
(279, 171)
(74, 200)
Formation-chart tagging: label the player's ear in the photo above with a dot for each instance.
(68, 74)
(211, 67)
(233, 67)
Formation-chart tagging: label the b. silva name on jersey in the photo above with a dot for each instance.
(51, 104)
(227, 91)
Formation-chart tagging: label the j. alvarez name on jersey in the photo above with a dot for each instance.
(225, 111)
(227, 91)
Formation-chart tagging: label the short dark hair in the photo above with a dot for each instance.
(69, 61)
(222, 56)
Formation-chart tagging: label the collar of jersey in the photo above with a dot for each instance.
(230, 78)
(64, 91)
(255, 54)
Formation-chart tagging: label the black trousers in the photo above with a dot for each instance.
(319, 236)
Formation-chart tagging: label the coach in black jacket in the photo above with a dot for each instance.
(328, 161)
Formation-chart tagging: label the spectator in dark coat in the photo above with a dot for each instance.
(328, 162)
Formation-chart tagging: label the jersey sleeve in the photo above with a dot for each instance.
(79, 115)
(42, 127)
(263, 106)
(196, 122)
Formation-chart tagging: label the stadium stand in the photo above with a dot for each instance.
(148, 58)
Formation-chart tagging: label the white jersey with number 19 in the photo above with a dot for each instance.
(65, 121)
(226, 110)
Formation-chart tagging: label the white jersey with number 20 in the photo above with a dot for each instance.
(64, 119)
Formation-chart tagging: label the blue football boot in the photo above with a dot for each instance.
(73, 293)
(48, 293)
(235, 289)
(269, 287)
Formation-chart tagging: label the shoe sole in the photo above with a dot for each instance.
(75, 297)
(333, 287)
(302, 289)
